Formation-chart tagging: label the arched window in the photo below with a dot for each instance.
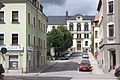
(71, 26)
(86, 26)
(78, 27)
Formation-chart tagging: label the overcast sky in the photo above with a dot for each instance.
(59, 7)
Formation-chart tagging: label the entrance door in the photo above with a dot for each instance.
(78, 45)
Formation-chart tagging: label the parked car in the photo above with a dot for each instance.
(85, 55)
(117, 72)
(65, 56)
(76, 53)
(85, 66)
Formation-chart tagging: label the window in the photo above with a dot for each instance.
(79, 36)
(86, 43)
(96, 34)
(13, 61)
(111, 30)
(28, 39)
(86, 35)
(34, 40)
(44, 44)
(96, 45)
(39, 25)
(1, 39)
(1, 16)
(14, 39)
(86, 26)
(34, 22)
(78, 27)
(110, 5)
(44, 28)
(71, 26)
(14, 16)
(39, 42)
(28, 18)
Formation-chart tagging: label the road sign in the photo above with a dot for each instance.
(3, 50)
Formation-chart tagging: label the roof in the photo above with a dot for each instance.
(1, 5)
(60, 20)
(86, 17)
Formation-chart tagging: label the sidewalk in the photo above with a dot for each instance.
(36, 72)
(96, 69)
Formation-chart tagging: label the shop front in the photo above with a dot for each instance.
(12, 60)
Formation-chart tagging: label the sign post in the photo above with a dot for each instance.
(3, 51)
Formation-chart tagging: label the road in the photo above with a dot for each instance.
(65, 70)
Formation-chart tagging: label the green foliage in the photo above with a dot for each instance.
(60, 39)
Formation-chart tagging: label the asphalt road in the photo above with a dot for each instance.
(65, 70)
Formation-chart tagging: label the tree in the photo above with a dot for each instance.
(60, 39)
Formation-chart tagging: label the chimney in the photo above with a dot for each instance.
(66, 14)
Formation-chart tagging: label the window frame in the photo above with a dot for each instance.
(71, 26)
(79, 26)
(1, 39)
(2, 18)
(15, 16)
(86, 43)
(86, 26)
(16, 41)
(96, 34)
(109, 31)
(110, 7)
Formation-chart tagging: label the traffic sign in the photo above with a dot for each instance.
(3, 50)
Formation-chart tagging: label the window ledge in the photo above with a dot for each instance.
(111, 38)
(15, 22)
(2, 22)
(110, 14)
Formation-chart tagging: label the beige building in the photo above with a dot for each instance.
(109, 40)
(23, 34)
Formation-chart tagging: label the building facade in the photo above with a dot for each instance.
(23, 34)
(81, 29)
(109, 40)
(80, 26)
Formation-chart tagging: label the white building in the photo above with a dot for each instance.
(80, 26)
